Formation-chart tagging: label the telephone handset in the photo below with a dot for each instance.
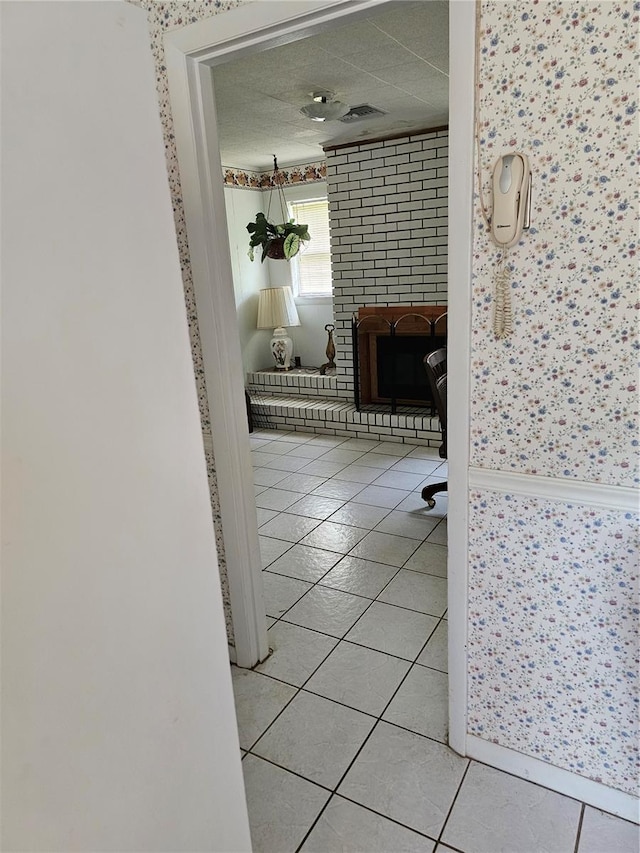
(511, 214)
(511, 199)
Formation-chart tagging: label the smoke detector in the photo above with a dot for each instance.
(324, 107)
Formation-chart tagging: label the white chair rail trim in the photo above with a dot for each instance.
(580, 492)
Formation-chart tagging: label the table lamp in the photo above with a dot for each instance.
(276, 310)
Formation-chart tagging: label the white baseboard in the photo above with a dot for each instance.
(232, 654)
(563, 781)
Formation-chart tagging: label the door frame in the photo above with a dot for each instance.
(189, 53)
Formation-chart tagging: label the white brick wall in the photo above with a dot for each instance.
(331, 417)
(388, 217)
(290, 382)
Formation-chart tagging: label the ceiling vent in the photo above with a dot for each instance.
(362, 112)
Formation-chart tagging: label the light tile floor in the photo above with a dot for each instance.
(344, 726)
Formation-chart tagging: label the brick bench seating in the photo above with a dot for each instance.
(335, 417)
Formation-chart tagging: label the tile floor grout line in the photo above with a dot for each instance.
(358, 752)
(348, 592)
(280, 712)
(313, 823)
(386, 817)
(377, 718)
(293, 772)
(357, 595)
(453, 802)
(313, 585)
(538, 785)
(342, 639)
(334, 792)
(579, 830)
(441, 619)
(404, 678)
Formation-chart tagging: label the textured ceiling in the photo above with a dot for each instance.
(396, 60)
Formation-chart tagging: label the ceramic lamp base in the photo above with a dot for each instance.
(282, 348)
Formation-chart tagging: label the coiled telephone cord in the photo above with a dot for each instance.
(502, 313)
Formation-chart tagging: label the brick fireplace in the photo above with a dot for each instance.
(388, 208)
(389, 345)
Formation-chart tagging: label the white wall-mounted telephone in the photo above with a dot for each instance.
(511, 199)
(511, 186)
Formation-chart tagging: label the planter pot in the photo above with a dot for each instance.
(276, 249)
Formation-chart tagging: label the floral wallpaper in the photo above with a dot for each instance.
(553, 634)
(559, 397)
(553, 587)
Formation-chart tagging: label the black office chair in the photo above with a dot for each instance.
(435, 365)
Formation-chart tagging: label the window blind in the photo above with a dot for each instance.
(314, 259)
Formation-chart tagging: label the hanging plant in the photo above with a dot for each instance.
(277, 241)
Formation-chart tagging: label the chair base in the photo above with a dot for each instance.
(429, 491)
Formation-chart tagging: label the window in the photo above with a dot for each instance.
(312, 271)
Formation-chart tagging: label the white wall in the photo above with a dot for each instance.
(249, 277)
(118, 727)
(310, 338)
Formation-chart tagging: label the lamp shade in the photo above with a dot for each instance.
(276, 307)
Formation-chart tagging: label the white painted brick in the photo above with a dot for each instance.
(385, 209)
(367, 192)
(409, 147)
(424, 193)
(349, 149)
(391, 180)
(396, 159)
(397, 197)
(410, 205)
(406, 168)
(369, 146)
(347, 205)
(430, 142)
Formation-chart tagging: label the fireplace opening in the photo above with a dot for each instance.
(399, 363)
(389, 346)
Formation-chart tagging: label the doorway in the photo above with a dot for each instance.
(189, 54)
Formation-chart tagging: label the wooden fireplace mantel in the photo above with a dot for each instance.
(393, 313)
(375, 320)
